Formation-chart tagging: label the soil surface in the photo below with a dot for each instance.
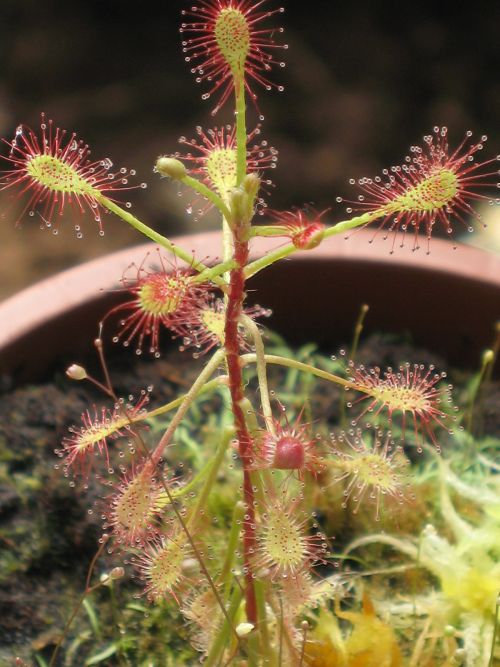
(49, 530)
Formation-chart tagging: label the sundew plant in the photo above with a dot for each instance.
(269, 584)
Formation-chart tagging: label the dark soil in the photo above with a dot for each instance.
(48, 534)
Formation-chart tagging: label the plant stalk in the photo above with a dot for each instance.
(200, 381)
(163, 241)
(234, 367)
(287, 250)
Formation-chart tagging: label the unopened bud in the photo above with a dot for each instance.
(488, 357)
(244, 629)
(113, 575)
(251, 185)
(242, 207)
(75, 372)
(169, 166)
(117, 573)
(190, 566)
(264, 573)
(309, 237)
(238, 199)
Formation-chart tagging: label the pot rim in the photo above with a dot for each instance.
(447, 302)
(47, 299)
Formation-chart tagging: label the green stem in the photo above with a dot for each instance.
(260, 595)
(212, 384)
(115, 612)
(404, 546)
(478, 382)
(258, 477)
(184, 490)
(198, 384)
(225, 576)
(196, 551)
(306, 368)
(167, 407)
(241, 131)
(227, 249)
(269, 230)
(205, 191)
(88, 589)
(260, 354)
(154, 236)
(222, 638)
(227, 235)
(198, 511)
(214, 271)
(285, 635)
(280, 253)
(358, 328)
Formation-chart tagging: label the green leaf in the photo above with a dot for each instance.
(94, 621)
(99, 657)
(134, 606)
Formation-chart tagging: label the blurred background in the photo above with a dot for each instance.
(363, 81)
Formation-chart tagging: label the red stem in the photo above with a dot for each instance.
(232, 347)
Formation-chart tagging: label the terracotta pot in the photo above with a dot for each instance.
(448, 300)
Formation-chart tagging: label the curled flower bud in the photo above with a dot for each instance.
(287, 447)
(168, 166)
(488, 357)
(305, 231)
(238, 202)
(113, 575)
(76, 372)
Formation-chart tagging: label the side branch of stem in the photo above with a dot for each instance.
(287, 250)
(306, 368)
(154, 236)
(200, 381)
